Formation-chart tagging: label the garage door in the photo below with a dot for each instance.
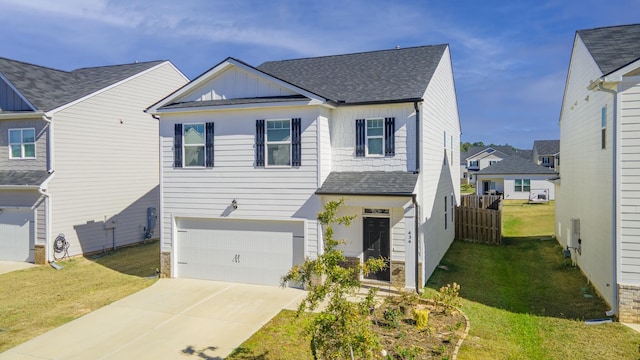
(16, 234)
(256, 252)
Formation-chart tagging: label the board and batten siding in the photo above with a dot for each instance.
(234, 83)
(268, 193)
(586, 171)
(40, 161)
(343, 138)
(438, 178)
(629, 165)
(106, 163)
(10, 100)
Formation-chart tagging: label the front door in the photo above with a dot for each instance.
(376, 245)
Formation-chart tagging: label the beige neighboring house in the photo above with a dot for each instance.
(598, 193)
(249, 155)
(78, 156)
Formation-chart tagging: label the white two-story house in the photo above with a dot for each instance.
(249, 155)
(598, 193)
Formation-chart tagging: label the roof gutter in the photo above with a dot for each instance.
(598, 86)
(416, 240)
(417, 109)
(42, 189)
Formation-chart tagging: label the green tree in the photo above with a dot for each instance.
(342, 329)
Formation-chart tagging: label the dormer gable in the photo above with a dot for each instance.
(10, 99)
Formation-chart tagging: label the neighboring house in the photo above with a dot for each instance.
(249, 156)
(547, 153)
(78, 156)
(477, 158)
(517, 178)
(598, 194)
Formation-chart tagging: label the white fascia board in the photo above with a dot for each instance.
(19, 187)
(237, 107)
(36, 115)
(17, 92)
(65, 106)
(617, 75)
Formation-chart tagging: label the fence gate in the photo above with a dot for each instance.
(479, 219)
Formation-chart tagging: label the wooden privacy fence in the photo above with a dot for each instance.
(479, 219)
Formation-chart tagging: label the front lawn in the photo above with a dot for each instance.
(39, 299)
(523, 299)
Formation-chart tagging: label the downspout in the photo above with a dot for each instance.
(416, 207)
(614, 212)
(50, 169)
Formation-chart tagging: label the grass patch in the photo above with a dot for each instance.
(39, 299)
(520, 218)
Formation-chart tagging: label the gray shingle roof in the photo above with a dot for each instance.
(22, 178)
(613, 47)
(546, 147)
(377, 76)
(48, 88)
(515, 165)
(369, 183)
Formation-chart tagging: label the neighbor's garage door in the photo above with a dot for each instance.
(256, 252)
(16, 234)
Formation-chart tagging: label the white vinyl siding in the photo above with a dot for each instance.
(106, 151)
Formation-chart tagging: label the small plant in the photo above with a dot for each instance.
(422, 319)
(392, 316)
(408, 353)
(447, 297)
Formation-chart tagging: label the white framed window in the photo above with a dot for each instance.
(522, 185)
(445, 212)
(278, 142)
(375, 137)
(193, 146)
(491, 162)
(22, 143)
(545, 160)
(473, 163)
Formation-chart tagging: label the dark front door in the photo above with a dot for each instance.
(376, 245)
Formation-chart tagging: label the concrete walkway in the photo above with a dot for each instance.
(9, 266)
(173, 319)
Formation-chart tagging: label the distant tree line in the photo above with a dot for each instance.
(464, 146)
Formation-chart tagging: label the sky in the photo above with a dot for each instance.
(510, 58)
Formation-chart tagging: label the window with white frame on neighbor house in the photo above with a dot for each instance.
(522, 185)
(194, 143)
(278, 141)
(22, 143)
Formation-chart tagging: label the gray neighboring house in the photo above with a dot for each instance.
(517, 179)
(78, 156)
(546, 153)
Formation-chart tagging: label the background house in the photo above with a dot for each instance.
(249, 155)
(78, 156)
(598, 196)
(546, 153)
(517, 179)
(477, 158)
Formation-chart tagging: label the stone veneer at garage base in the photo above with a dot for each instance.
(629, 308)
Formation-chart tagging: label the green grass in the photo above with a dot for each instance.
(39, 299)
(524, 301)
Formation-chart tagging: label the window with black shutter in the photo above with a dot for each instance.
(209, 145)
(375, 137)
(389, 136)
(259, 142)
(296, 148)
(177, 145)
(360, 138)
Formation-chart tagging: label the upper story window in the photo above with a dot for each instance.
(473, 163)
(375, 137)
(491, 162)
(193, 145)
(545, 160)
(22, 143)
(278, 141)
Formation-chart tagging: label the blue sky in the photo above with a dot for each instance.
(510, 58)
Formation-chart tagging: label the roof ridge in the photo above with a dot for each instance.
(355, 53)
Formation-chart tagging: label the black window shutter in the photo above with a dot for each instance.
(259, 142)
(177, 145)
(389, 136)
(360, 137)
(296, 148)
(209, 145)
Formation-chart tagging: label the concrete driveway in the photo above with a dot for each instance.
(9, 266)
(173, 319)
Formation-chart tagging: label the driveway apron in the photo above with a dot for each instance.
(173, 319)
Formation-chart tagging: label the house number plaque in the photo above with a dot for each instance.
(236, 259)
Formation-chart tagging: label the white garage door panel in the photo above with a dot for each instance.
(16, 234)
(234, 255)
